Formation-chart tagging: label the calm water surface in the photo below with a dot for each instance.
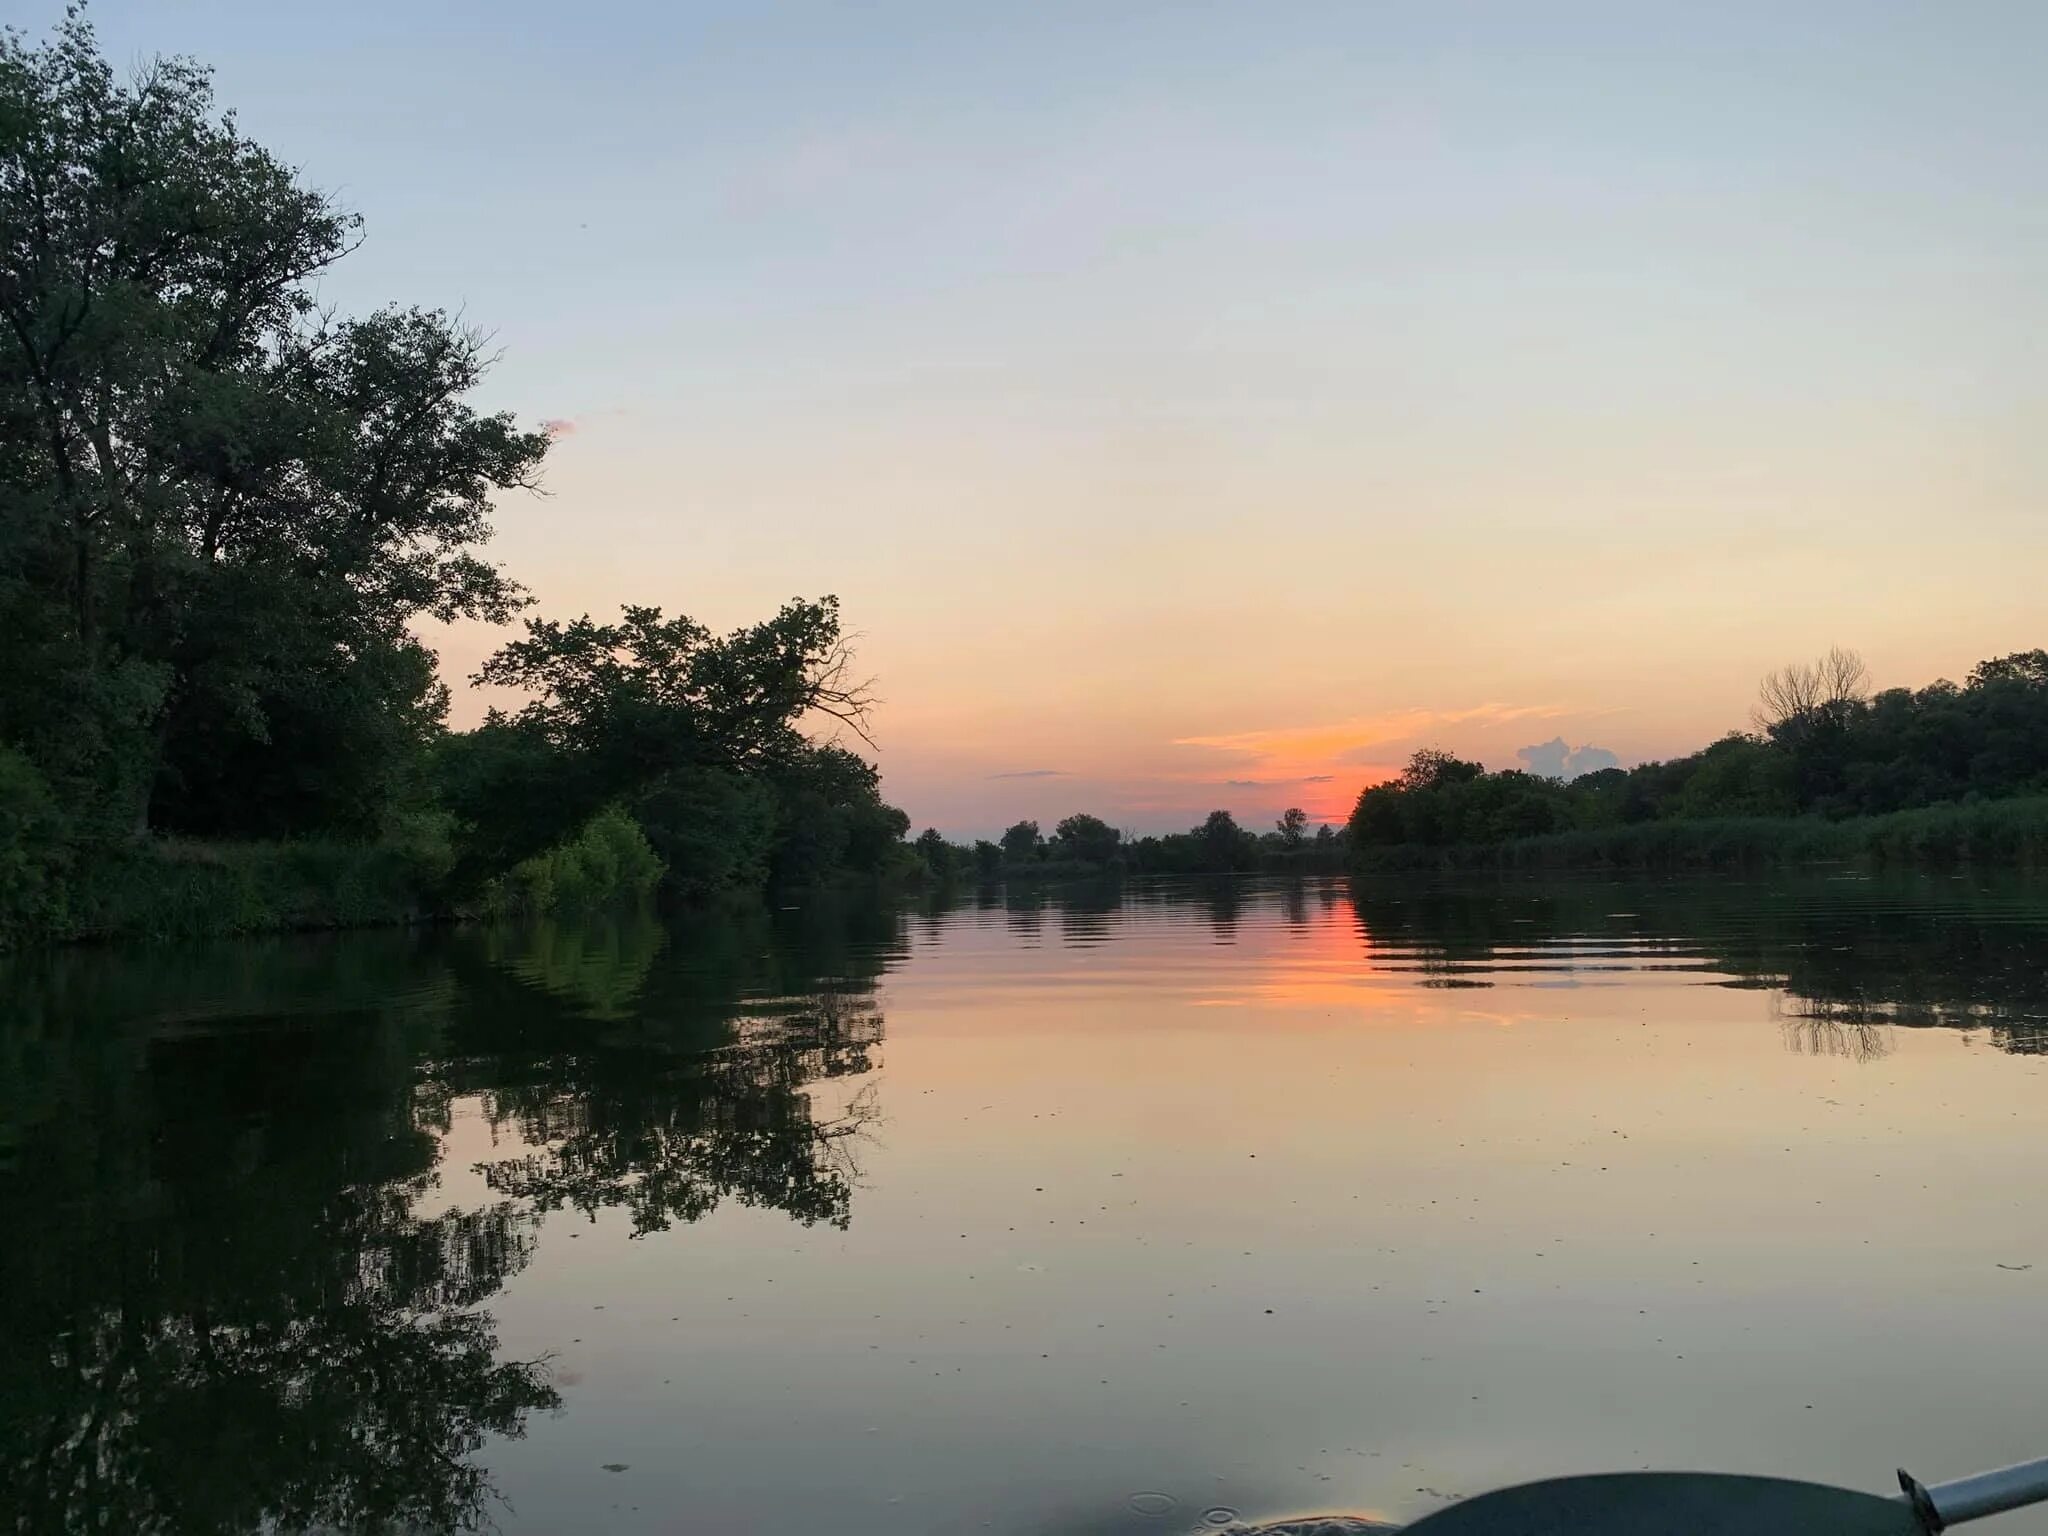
(1084, 1211)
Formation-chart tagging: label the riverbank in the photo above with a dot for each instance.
(186, 889)
(176, 888)
(2007, 833)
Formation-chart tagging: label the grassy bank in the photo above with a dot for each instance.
(2011, 833)
(184, 889)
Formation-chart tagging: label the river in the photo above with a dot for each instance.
(1090, 1211)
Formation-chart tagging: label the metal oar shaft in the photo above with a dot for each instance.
(1990, 1493)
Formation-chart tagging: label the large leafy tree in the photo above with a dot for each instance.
(620, 710)
(220, 507)
(1021, 841)
(1223, 842)
(656, 692)
(1087, 838)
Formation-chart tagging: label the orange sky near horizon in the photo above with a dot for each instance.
(1019, 678)
(1192, 411)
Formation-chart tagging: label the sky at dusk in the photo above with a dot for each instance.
(1204, 405)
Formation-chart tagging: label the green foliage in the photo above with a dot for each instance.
(1089, 839)
(1021, 842)
(1989, 832)
(221, 510)
(173, 889)
(609, 860)
(1828, 754)
(1220, 846)
(34, 849)
(223, 506)
(2013, 831)
(1088, 848)
(714, 830)
(831, 822)
(650, 690)
(620, 708)
(345, 748)
(1225, 845)
(942, 861)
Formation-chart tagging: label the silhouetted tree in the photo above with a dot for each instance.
(1803, 696)
(1434, 768)
(937, 853)
(2026, 669)
(1021, 841)
(1832, 750)
(1089, 839)
(224, 506)
(617, 707)
(1225, 844)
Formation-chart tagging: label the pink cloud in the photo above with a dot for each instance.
(559, 426)
(1298, 751)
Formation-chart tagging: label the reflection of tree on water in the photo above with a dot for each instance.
(1850, 957)
(671, 1136)
(1088, 911)
(223, 1313)
(660, 1097)
(230, 1305)
(1825, 1029)
(1294, 902)
(1024, 911)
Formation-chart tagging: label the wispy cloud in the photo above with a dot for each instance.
(1244, 783)
(1034, 773)
(1320, 778)
(1362, 739)
(559, 426)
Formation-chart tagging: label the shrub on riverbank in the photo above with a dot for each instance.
(1990, 832)
(1833, 771)
(176, 888)
(2004, 832)
(34, 845)
(609, 860)
(180, 890)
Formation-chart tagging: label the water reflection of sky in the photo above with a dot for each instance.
(1228, 1198)
(1093, 1211)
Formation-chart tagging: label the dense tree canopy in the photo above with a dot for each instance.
(662, 711)
(1827, 747)
(224, 508)
(1084, 846)
(1021, 841)
(1087, 838)
(222, 505)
